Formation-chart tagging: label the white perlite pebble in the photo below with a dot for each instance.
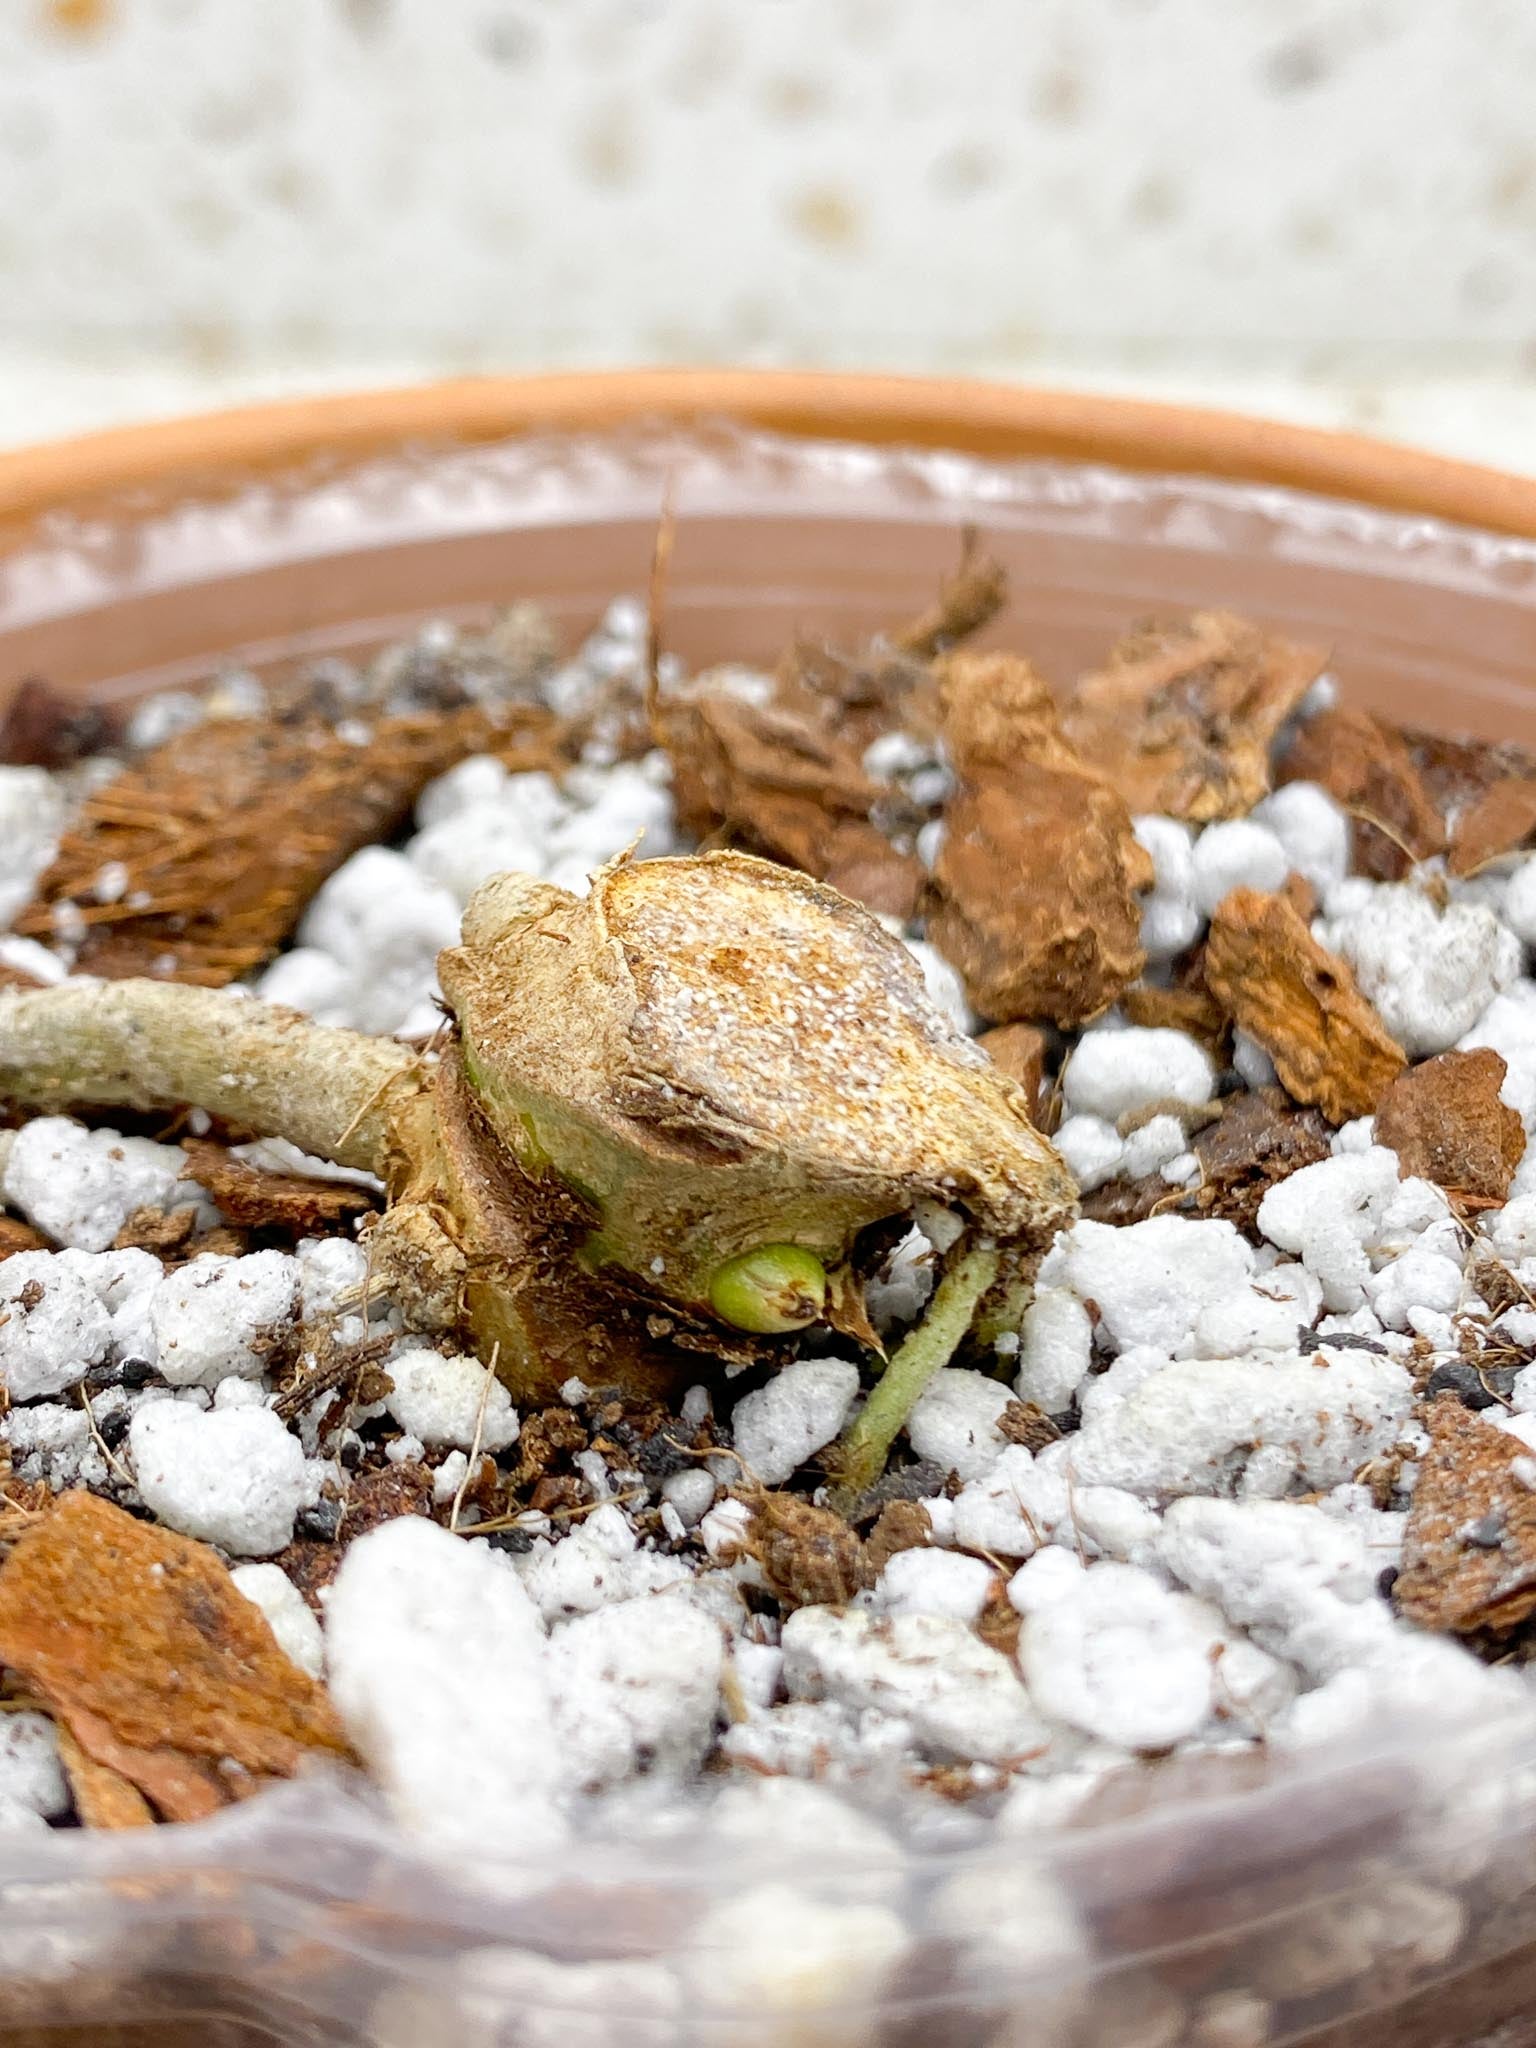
(960, 1697)
(209, 1316)
(955, 1421)
(1169, 920)
(792, 1416)
(466, 1750)
(1264, 1316)
(1260, 1426)
(1092, 1149)
(333, 1272)
(1114, 1072)
(1150, 1280)
(1156, 1144)
(931, 1581)
(946, 991)
(502, 1995)
(775, 1964)
(288, 1614)
(442, 1401)
(1431, 972)
(1313, 829)
(231, 1476)
(1027, 1501)
(1055, 1351)
(1120, 1657)
(691, 1493)
(31, 818)
(53, 1325)
(31, 1776)
(598, 1562)
(80, 1187)
(1328, 1213)
(635, 1685)
(1237, 854)
(1519, 906)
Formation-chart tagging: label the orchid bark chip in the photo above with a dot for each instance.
(663, 1110)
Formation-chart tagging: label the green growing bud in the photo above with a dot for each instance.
(769, 1290)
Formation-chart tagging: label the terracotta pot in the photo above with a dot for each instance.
(930, 412)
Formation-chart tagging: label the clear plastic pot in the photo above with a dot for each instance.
(1369, 1893)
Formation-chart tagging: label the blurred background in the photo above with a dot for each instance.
(1321, 209)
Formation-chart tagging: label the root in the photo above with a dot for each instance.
(163, 1045)
(858, 1459)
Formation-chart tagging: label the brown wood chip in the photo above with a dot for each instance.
(16, 1236)
(139, 1644)
(1367, 766)
(1181, 717)
(253, 1198)
(226, 831)
(1301, 1004)
(787, 779)
(1034, 892)
(1445, 1122)
(1191, 1009)
(1019, 1050)
(1502, 820)
(1469, 1548)
(103, 1798)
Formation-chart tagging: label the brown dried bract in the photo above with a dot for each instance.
(1366, 765)
(139, 1644)
(1036, 882)
(226, 831)
(255, 1199)
(1501, 820)
(1181, 717)
(1301, 1004)
(1445, 1122)
(1469, 1548)
(809, 1556)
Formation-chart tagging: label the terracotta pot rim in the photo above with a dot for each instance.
(968, 415)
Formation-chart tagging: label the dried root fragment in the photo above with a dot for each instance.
(701, 1059)
(224, 833)
(1036, 882)
(1367, 766)
(1469, 1549)
(164, 1674)
(1502, 820)
(1446, 1123)
(1300, 1002)
(1181, 718)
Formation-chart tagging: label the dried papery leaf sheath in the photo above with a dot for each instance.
(702, 1058)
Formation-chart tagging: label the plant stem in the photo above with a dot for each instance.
(859, 1456)
(164, 1045)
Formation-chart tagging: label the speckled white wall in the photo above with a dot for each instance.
(1338, 186)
